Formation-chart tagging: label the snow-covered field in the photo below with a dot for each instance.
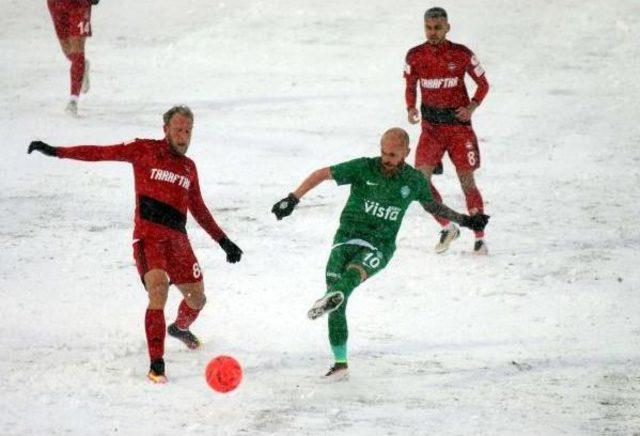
(540, 337)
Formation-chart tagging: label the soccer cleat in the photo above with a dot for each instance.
(156, 372)
(447, 235)
(480, 247)
(86, 84)
(327, 304)
(72, 108)
(189, 339)
(339, 371)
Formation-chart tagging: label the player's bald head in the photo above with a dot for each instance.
(396, 137)
(394, 148)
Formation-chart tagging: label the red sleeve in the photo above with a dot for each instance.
(411, 80)
(200, 211)
(475, 70)
(118, 152)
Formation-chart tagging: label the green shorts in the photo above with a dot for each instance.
(355, 252)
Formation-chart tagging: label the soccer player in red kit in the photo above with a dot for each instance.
(439, 66)
(72, 22)
(166, 183)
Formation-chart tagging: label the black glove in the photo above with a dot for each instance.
(438, 169)
(43, 148)
(475, 222)
(285, 206)
(94, 2)
(233, 251)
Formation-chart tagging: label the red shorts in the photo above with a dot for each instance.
(173, 255)
(459, 141)
(71, 18)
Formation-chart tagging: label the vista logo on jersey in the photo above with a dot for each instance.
(439, 83)
(374, 208)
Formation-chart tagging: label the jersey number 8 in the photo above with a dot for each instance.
(471, 158)
(196, 271)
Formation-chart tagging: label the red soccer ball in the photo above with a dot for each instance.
(223, 373)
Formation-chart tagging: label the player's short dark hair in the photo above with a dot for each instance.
(436, 12)
(181, 109)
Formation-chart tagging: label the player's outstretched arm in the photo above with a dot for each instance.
(475, 222)
(285, 206)
(43, 148)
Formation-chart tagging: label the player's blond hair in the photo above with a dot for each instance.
(180, 109)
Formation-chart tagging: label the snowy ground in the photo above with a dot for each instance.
(540, 337)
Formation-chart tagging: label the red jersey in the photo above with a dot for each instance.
(439, 70)
(166, 186)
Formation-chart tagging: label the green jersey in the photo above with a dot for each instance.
(377, 202)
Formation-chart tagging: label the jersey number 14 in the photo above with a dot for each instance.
(84, 27)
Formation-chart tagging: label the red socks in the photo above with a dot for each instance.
(475, 205)
(77, 72)
(186, 315)
(155, 329)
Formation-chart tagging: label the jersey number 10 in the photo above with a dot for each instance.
(372, 260)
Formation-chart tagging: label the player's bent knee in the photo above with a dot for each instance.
(199, 301)
(158, 290)
(361, 271)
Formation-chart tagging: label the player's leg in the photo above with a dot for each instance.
(80, 81)
(61, 15)
(429, 153)
(157, 285)
(151, 264)
(185, 271)
(332, 302)
(60, 19)
(465, 155)
(189, 309)
(79, 30)
(361, 264)
(336, 264)
(76, 72)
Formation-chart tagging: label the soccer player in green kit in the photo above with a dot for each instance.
(382, 189)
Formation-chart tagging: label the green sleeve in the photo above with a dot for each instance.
(424, 190)
(348, 172)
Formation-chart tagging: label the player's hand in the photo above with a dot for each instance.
(463, 113)
(234, 253)
(413, 115)
(285, 206)
(475, 222)
(43, 148)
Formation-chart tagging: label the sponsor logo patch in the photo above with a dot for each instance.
(439, 83)
(390, 213)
